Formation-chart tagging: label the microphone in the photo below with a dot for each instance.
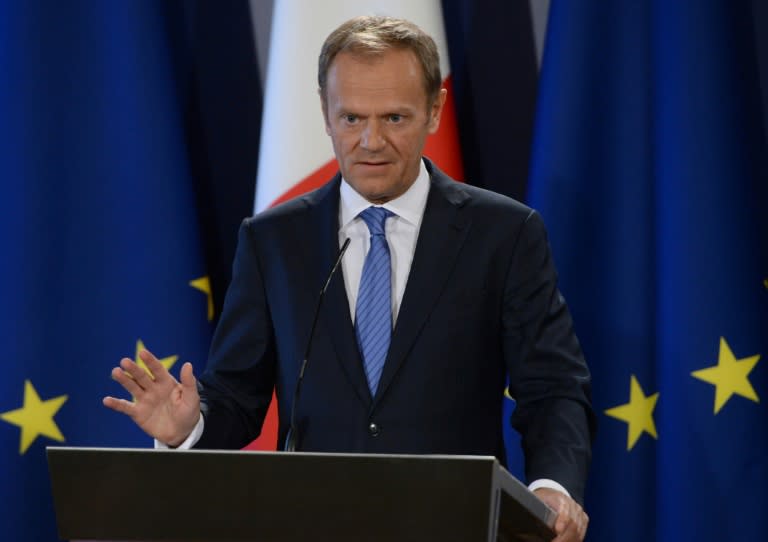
(292, 437)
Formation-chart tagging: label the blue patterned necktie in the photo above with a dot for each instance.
(373, 314)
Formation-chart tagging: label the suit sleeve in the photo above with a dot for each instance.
(549, 378)
(237, 386)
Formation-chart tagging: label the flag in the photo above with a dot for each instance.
(649, 168)
(296, 155)
(99, 233)
(495, 101)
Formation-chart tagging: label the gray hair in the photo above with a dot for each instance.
(375, 35)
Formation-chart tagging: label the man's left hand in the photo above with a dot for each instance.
(571, 522)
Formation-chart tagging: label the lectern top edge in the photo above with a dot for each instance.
(447, 457)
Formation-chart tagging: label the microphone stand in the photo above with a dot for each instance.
(291, 438)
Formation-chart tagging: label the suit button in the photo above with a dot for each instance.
(374, 429)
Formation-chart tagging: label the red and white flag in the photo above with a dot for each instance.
(296, 155)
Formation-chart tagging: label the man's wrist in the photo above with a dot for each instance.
(548, 484)
(188, 442)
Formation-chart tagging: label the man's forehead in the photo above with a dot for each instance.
(384, 73)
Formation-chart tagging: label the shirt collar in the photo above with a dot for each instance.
(409, 206)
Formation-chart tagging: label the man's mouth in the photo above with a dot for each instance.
(373, 163)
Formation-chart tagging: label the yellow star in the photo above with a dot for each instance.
(638, 413)
(165, 362)
(204, 285)
(36, 417)
(730, 376)
(765, 283)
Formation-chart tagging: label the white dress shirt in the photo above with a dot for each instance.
(402, 231)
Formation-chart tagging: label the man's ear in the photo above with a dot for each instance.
(324, 107)
(436, 110)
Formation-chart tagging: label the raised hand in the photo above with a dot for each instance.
(163, 407)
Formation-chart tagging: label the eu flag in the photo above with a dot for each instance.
(650, 169)
(99, 237)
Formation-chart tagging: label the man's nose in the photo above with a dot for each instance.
(372, 138)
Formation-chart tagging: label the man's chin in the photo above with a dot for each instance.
(372, 170)
(375, 191)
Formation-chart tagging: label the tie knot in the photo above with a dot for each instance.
(375, 218)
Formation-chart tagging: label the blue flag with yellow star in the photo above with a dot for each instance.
(650, 169)
(99, 233)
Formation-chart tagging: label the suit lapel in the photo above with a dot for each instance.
(334, 315)
(442, 234)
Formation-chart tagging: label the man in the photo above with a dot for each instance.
(465, 275)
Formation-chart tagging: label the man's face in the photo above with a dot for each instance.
(376, 114)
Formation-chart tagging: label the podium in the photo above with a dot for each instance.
(237, 496)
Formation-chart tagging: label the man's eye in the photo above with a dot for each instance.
(395, 118)
(351, 119)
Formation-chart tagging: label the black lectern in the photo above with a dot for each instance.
(236, 496)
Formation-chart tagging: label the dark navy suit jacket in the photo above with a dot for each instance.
(481, 305)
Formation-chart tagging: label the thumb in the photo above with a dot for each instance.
(188, 380)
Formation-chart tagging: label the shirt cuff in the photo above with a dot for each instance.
(190, 441)
(549, 484)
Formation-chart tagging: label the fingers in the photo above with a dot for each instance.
(565, 527)
(138, 374)
(137, 379)
(564, 524)
(126, 381)
(156, 370)
(571, 524)
(143, 377)
(119, 405)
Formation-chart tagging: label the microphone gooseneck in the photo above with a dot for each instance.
(291, 438)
